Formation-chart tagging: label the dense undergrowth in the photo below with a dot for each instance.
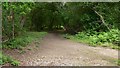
(93, 38)
(23, 40)
(18, 43)
(89, 20)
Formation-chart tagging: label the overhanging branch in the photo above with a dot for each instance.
(102, 19)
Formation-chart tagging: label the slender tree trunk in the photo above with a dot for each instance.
(13, 26)
(22, 21)
(12, 19)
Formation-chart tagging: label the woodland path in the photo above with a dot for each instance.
(54, 50)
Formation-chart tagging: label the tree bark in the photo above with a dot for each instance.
(13, 25)
(22, 21)
(13, 28)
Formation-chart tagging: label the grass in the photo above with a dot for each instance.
(117, 62)
(22, 51)
(104, 39)
(90, 43)
(21, 41)
(18, 43)
(7, 59)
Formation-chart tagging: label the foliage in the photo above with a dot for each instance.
(94, 23)
(74, 17)
(18, 43)
(118, 62)
(15, 63)
(14, 17)
(106, 39)
(45, 16)
(23, 40)
(7, 59)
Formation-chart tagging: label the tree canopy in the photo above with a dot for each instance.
(93, 23)
(73, 17)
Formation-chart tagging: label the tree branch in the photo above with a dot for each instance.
(102, 19)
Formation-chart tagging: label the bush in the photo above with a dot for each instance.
(93, 38)
(23, 40)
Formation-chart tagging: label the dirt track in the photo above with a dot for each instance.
(54, 50)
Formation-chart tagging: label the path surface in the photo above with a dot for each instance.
(54, 50)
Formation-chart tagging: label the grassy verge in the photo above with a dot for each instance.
(109, 39)
(7, 59)
(23, 40)
(104, 39)
(18, 43)
(117, 62)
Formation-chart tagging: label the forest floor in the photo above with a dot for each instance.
(54, 50)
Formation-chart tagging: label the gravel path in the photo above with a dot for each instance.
(54, 50)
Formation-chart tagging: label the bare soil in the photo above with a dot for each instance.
(54, 50)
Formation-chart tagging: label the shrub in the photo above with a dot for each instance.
(109, 38)
(7, 59)
(23, 40)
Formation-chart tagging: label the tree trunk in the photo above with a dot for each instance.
(12, 19)
(22, 21)
(13, 26)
